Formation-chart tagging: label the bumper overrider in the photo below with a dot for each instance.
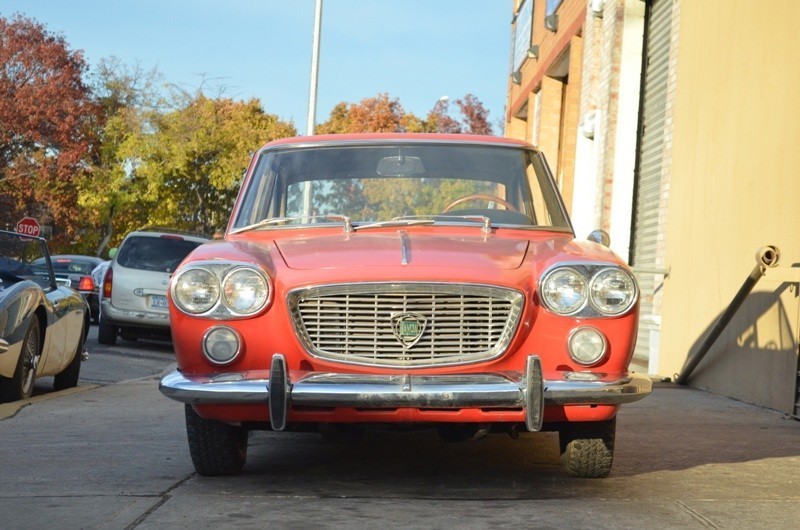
(485, 390)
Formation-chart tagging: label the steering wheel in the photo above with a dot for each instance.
(480, 196)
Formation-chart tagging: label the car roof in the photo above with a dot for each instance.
(75, 257)
(159, 232)
(398, 137)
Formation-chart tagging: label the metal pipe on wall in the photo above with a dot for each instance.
(766, 258)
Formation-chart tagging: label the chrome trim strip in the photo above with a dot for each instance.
(490, 390)
(404, 250)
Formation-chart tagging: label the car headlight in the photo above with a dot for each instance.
(564, 290)
(221, 345)
(588, 290)
(245, 291)
(221, 289)
(587, 345)
(196, 290)
(612, 291)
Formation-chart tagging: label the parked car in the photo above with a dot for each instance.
(402, 279)
(134, 294)
(76, 271)
(43, 325)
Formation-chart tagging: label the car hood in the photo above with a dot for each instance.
(402, 248)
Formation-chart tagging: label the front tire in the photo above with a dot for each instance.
(587, 448)
(106, 334)
(216, 448)
(20, 386)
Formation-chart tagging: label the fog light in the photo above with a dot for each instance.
(221, 345)
(587, 345)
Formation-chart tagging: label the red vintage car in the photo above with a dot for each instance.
(402, 280)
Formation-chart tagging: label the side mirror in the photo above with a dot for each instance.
(600, 236)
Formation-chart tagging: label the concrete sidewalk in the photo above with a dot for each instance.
(116, 457)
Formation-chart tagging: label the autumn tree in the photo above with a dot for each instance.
(46, 118)
(384, 114)
(186, 170)
(378, 114)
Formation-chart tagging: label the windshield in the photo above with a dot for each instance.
(367, 184)
(162, 254)
(23, 258)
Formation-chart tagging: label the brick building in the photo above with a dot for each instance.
(671, 124)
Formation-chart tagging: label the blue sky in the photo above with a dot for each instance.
(414, 50)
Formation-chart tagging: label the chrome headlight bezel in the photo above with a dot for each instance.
(591, 308)
(223, 271)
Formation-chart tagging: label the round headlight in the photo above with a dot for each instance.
(221, 345)
(587, 346)
(564, 291)
(196, 291)
(613, 291)
(245, 291)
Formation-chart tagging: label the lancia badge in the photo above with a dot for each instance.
(408, 328)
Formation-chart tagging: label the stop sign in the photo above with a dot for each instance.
(28, 226)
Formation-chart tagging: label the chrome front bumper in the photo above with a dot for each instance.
(488, 390)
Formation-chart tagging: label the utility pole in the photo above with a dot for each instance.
(312, 99)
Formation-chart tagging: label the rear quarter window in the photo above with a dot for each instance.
(154, 253)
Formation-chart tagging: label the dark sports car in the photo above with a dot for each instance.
(43, 325)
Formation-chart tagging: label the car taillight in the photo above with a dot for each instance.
(107, 283)
(86, 284)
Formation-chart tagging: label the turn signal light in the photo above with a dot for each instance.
(107, 282)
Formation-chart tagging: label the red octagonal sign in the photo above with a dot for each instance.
(28, 226)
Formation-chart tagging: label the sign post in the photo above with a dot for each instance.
(29, 226)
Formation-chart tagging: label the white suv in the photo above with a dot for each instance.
(134, 291)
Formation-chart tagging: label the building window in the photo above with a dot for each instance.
(550, 16)
(522, 35)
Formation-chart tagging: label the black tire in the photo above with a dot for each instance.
(587, 448)
(216, 447)
(106, 334)
(68, 378)
(20, 386)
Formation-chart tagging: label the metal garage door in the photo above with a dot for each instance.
(650, 196)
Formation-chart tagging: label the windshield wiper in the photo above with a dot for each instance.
(397, 221)
(433, 218)
(348, 225)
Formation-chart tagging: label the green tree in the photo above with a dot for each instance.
(129, 99)
(186, 171)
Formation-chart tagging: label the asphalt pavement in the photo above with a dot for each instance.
(115, 456)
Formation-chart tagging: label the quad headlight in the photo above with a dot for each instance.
(588, 290)
(221, 290)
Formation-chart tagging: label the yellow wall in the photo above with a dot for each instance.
(735, 179)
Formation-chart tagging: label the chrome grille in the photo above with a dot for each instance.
(361, 323)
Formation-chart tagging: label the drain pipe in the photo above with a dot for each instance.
(766, 258)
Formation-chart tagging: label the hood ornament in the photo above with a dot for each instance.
(408, 328)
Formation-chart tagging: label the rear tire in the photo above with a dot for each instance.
(106, 334)
(20, 386)
(216, 448)
(587, 448)
(68, 378)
